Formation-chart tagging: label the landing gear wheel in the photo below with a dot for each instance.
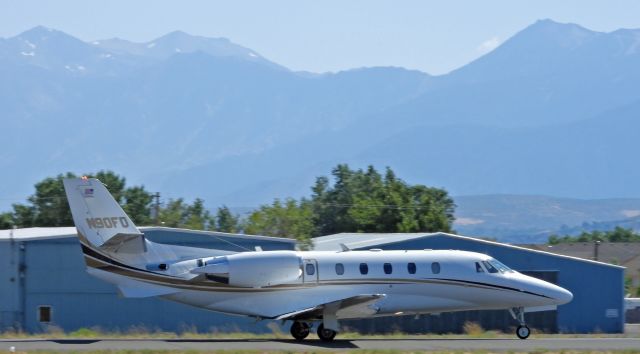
(300, 330)
(325, 334)
(523, 332)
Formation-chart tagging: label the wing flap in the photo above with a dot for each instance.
(354, 306)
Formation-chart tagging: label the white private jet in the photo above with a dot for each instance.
(303, 287)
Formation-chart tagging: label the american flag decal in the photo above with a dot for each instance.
(87, 192)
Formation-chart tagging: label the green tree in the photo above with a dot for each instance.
(137, 204)
(173, 214)
(23, 215)
(367, 198)
(554, 239)
(225, 221)
(48, 205)
(434, 209)
(290, 219)
(197, 217)
(358, 201)
(618, 234)
(178, 213)
(114, 183)
(6, 221)
(364, 201)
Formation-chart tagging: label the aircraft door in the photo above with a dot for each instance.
(310, 271)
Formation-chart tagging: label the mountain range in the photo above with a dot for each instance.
(554, 110)
(533, 218)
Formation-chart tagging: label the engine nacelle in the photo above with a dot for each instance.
(253, 269)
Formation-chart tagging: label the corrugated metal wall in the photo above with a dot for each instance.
(55, 276)
(11, 285)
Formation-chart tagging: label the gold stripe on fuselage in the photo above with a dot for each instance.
(186, 284)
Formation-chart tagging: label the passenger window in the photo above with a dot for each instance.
(479, 268)
(489, 267)
(364, 268)
(411, 267)
(311, 269)
(339, 268)
(435, 268)
(388, 269)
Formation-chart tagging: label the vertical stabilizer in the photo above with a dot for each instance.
(99, 219)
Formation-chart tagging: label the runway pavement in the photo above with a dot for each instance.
(551, 344)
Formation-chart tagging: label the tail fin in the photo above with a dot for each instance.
(99, 219)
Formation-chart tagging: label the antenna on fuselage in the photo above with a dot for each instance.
(344, 248)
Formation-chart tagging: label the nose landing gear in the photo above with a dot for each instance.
(522, 331)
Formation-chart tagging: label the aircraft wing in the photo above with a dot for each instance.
(354, 306)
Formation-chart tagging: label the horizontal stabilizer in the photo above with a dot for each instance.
(144, 290)
(125, 243)
(132, 288)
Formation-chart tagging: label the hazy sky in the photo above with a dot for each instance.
(432, 36)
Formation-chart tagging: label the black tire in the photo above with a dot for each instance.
(523, 332)
(300, 330)
(325, 334)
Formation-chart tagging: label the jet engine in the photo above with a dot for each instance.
(253, 269)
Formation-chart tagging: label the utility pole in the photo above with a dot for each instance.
(156, 208)
(596, 245)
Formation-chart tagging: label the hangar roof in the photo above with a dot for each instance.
(44, 233)
(375, 240)
(37, 233)
(362, 240)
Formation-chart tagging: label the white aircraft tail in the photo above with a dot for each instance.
(99, 219)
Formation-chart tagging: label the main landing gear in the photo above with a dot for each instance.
(522, 331)
(326, 334)
(300, 331)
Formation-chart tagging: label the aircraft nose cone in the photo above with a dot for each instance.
(561, 295)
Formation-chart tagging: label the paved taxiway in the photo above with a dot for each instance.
(552, 344)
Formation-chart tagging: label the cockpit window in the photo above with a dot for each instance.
(501, 267)
(494, 266)
(479, 268)
(490, 267)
